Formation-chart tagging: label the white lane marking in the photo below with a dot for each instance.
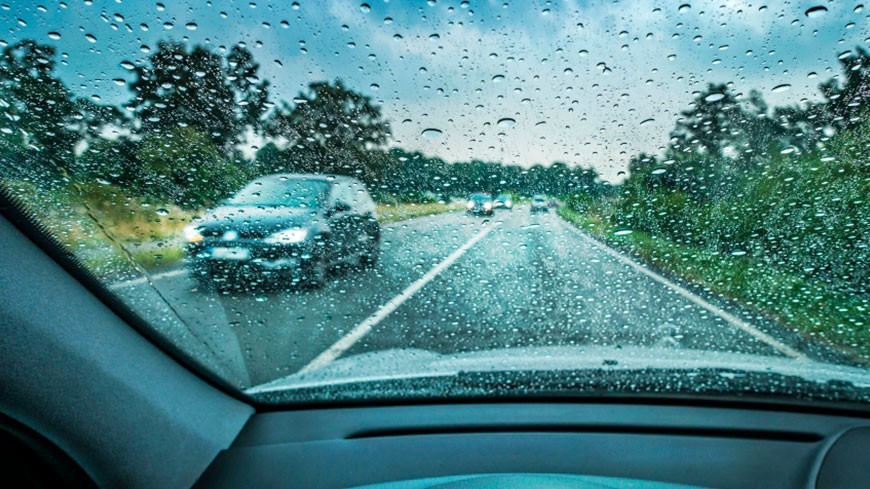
(142, 280)
(726, 316)
(360, 330)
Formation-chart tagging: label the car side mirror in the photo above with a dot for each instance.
(337, 208)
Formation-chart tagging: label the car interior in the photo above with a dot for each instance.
(89, 401)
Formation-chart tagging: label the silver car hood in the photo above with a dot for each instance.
(399, 364)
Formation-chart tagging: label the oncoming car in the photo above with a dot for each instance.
(295, 227)
(540, 203)
(480, 204)
(504, 201)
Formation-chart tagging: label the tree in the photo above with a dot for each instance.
(37, 106)
(192, 89)
(185, 167)
(846, 99)
(333, 129)
(251, 94)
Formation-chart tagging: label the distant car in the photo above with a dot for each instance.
(480, 204)
(503, 201)
(540, 203)
(291, 226)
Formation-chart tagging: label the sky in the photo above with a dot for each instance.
(522, 82)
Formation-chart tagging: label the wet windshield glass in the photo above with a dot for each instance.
(284, 192)
(683, 189)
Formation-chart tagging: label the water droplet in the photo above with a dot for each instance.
(714, 97)
(434, 37)
(162, 212)
(817, 11)
(365, 8)
(191, 26)
(646, 121)
(127, 65)
(506, 122)
(431, 133)
(295, 5)
(684, 8)
(498, 78)
(388, 20)
(781, 88)
(90, 38)
(375, 86)
(738, 253)
(54, 35)
(119, 81)
(622, 232)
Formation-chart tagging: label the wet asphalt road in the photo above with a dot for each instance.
(527, 280)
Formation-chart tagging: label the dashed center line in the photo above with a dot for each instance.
(360, 330)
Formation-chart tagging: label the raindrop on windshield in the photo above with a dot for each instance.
(817, 11)
(54, 35)
(506, 122)
(365, 8)
(714, 97)
(781, 88)
(431, 133)
(498, 78)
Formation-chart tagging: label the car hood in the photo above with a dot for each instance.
(255, 221)
(580, 367)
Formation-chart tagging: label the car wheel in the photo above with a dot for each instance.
(372, 253)
(316, 273)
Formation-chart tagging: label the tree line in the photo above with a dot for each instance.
(787, 186)
(176, 139)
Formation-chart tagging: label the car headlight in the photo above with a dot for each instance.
(469, 205)
(192, 234)
(487, 205)
(288, 236)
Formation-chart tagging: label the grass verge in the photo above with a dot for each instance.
(816, 310)
(399, 212)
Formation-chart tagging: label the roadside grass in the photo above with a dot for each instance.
(817, 310)
(388, 213)
(104, 228)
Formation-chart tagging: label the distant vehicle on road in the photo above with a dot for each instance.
(540, 203)
(480, 204)
(503, 201)
(287, 226)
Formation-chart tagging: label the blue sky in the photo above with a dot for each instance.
(587, 83)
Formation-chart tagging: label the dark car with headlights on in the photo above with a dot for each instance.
(480, 204)
(540, 203)
(288, 227)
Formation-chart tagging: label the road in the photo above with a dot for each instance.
(450, 283)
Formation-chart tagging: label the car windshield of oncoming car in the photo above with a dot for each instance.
(683, 191)
(283, 192)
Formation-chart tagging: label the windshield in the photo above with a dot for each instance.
(687, 185)
(283, 192)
